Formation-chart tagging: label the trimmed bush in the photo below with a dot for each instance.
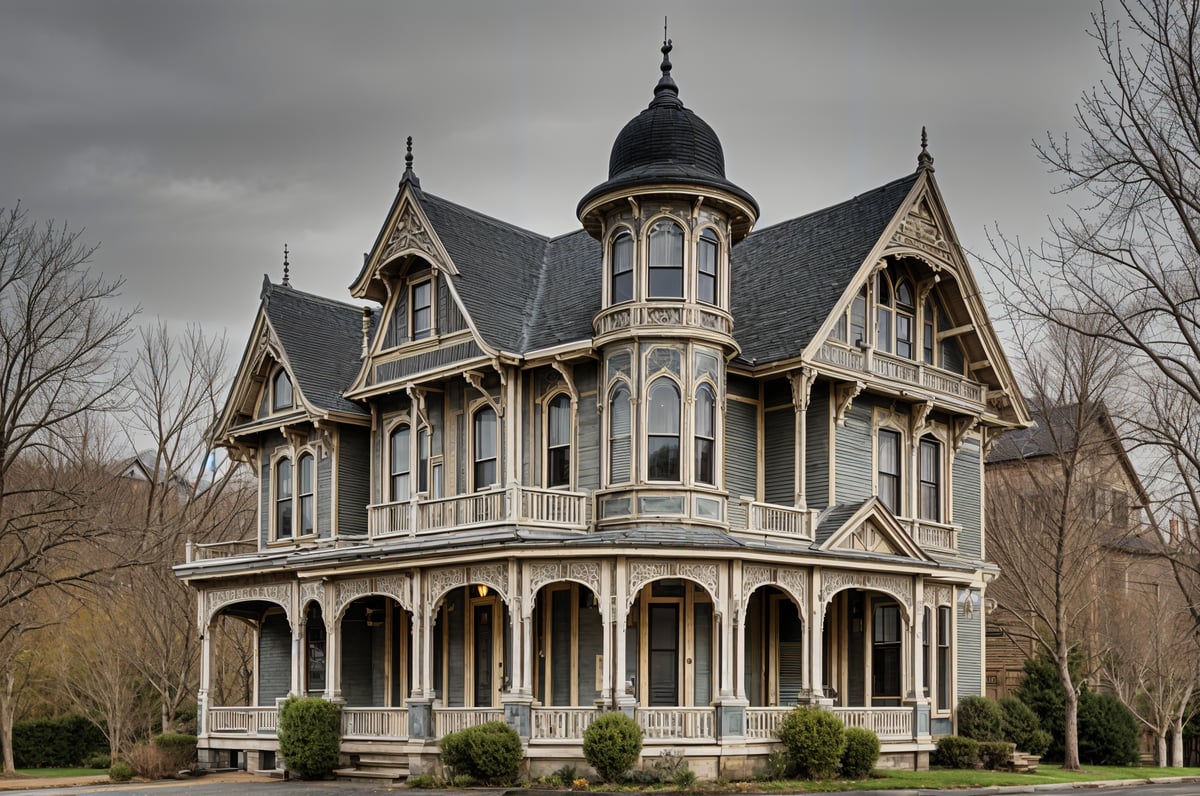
(955, 752)
(612, 745)
(65, 742)
(98, 761)
(1108, 732)
(310, 732)
(1021, 727)
(814, 740)
(179, 749)
(120, 771)
(490, 753)
(980, 718)
(995, 755)
(861, 753)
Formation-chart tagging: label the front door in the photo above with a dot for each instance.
(664, 654)
(483, 619)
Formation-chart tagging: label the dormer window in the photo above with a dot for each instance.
(707, 259)
(622, 269)
(905, 310)
(281, 391)
(422, 310)
(665, 260)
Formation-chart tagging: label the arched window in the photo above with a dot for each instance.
(558, 441)
(888, 473)
(399, 478)
(666, 260)
(619, 436)
(929, 499)
(905, 310)
(707, 260)
(621, 288)
(706, 435)
(858, 318)
(883, 312)
(283, 498)
(306, 465)
(281, 391)
(662, 443)
(485, 448)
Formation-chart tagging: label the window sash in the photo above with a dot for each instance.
(619, 436)
(665, 260)
(422, 310)
(663, 428)
(706, 287)
(888, 445)
(622, 269)
(283, 499)
(281, 391)
(558, 442)
(705, 440)
(944, 659)
(930, 504)
(306, 467)
(484, 441)
(399, 467)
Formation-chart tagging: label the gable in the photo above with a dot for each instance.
(868, 528)
(406, 233)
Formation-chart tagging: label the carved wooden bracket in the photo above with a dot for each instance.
(919, 422)
(566, 373)
(844, 395)
(802, 382)
(417, 396)
(325, 437)
(475, 379)
(962, 427)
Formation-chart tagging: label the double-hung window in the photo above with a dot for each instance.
(422, 310)
(485, 448)
(619, 436)
(621, 287)
(943, 658)
(283, 499)
(706, 435)
(707, 263)
(399, 477)
(666, 260)
(929, 498)
(888, 473)
(558, 441)
(306, 464)
(886, 654)
(662, 444)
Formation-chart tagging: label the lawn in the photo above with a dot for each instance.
(63, 772)
(954, 778)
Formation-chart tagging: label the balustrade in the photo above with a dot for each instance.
(375, 723)
(448, 720)
(904, 370)
(562, 724)
(887, 723)
(676, 723)
(778, 520)
(936, 536)
(243, 720)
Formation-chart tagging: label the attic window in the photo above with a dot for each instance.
(422, 310)
(281, 391)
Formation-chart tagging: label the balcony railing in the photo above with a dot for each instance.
(936, 536)
(681, 724)
(243, 720)
(890, 724)
(524, 505)
(903, 370)
(664, 316)
(370, 723)
(786, 521)
(210, 550)
(448, 720)
(562, 724)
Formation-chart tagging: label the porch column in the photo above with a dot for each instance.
(918, 641)
(420, 718)
(802, 382)
(206, 631)
(297, 667)
(333, 658)
(624, 699)
(816, 636)
(516, 621)
(608, 621)
(733, 652)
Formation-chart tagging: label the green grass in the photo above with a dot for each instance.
(63, 772)
(953, 778)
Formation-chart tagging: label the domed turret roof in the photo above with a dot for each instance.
(667, 144)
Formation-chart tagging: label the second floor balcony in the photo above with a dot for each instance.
(938, 382)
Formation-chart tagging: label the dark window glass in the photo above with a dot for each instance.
(666, 260)
(558, 442)
(930, 498)
(283, 499)
(422, 311)
(889, 469)
(619, 436)
(858, 318)
(314, 634)
(305, 465)
(927, 330)
(282, 389)
(926, 627)
(885, 662)
(485, 448)
(423, 461)
(622, 268)
(904, 319)
(943, 662)
(662, 447)
(398, 453)
(708, 251)
(706, 434)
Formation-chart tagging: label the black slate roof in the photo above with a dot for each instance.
(323, 342)
(832, 519)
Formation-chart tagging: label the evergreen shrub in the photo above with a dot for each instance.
(955, 752)
(994, 755)
(814, 740)
(179, 749)
(310, 732)
(980, 718)
(65, 742)
(612, 745)
(861, 753)
(490, 753)
(1021, 727)
(120, 771)
(1108, 732)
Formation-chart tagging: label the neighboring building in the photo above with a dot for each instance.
(659, 465)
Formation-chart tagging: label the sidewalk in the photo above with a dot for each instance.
(41, 783)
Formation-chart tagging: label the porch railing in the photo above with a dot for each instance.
(904, 370)
(451, 512)
(448, 720)
(676, 723)
(243, 720)
(762, 723)
(389, 518)
(375, 723)
(562, 724)
(210, 550)
(552, 507)
(778, 520)
(522, 504)
(887, 723)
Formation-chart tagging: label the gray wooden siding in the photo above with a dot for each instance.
(449, 319)
(591, 645)
(741, 458)
(264, 502)
(456, 652)
(356, 657)
(354, 477)
(274, 659)
(588, 432)
(816, 478)
(754, 662)
(966, 500)
(779, 457)
(703, 654)
(428, 360)
(854, 455)
(325, 496)
(741, 386)
(969, 653)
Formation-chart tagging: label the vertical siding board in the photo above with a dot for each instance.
(354, 478)
(274, 659)
(969, 632)
(780, 457)
(324, 496)
(456, 656)
(967, 499)
(588, 435)
(703, 654)
(854, 454)
(817, 447)
(741, 458)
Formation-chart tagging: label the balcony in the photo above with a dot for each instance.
(786, 522)
(936, 536)
(904, 371)
(519, 505)
(663, 317)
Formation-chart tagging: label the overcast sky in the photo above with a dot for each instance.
(193, 139)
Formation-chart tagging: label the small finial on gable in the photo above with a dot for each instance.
(924, 159)
(409, 174)
(287, 271)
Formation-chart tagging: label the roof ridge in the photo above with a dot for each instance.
(292, 291)
(485, 217)
(533, 313)
(856, 198)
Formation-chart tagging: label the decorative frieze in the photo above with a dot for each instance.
(410, 234)
(447, 578)
(278, 593)
(899, 586)
(789, 579)
(939, 595)
(542, 573)
(394, 586)
(642, 572)
(311, 590)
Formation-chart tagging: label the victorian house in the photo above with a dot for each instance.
(665, 464)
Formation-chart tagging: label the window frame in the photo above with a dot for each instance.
(622, 234)
(906, 312)
(898, 476)
(893, 647)
(619, 385)
(477, 411)
(550, 447)
(885, 341)
(707, 236)
(402, 424)
(278, 499)
(679, 277)
(939, 475)
(704, 386)
(282, 374)
(301, 495)
(943, 702)
(651, 434)
(430, 330)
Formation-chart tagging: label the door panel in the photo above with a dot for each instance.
(664, 654)
(483, 622)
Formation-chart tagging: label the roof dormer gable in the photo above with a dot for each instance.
(870, 529)
(406, 235)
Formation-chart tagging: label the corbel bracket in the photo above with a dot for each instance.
(417, 396)
(920, 419)
(844, 395)
(475, 379)
(802, 382)
(568, 379)
(325, 437)
(962, 427)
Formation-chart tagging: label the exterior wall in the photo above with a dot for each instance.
(855, 455)
(779, 445)
(817, 447)
(325, 495)
(741, 457)
(588, 422)
(969, 654)
(274, 659)
(354, 479)
(967, 505)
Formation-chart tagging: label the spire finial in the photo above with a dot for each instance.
(924, 159)
(666, 90)
(409, 174)
(286, 268)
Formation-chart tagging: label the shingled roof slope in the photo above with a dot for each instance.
(569, 292)
(1053, 433)
(498, 267)
(323, 342)
(791, 275)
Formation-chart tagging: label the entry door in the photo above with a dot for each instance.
(664, 654)
(483, 618)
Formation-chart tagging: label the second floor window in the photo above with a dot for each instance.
(665, 260)
(399, 478)
(558, 441)
(883, 313)
(888, 474)
(422, 310)
(905, 310)
(858, 318)
(423, 444)
(283, 499)
(307, 467)
(706, 435)
(706, 271)
(929, 498)
(619, 436)
(485, 448)
(621, 288)
(662, 443)
(281, 391)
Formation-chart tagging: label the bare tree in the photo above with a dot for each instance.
(59, 364)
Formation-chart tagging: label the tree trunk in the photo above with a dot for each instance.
(6, 723)
(1160, 755)
(1071, 728)
(1177, 742)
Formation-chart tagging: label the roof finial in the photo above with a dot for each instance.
(409, 175)
(286, 268)
(924, 160)
(666, 90)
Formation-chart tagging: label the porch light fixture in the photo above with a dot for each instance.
(483, 590)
